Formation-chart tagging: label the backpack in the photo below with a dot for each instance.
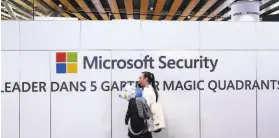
(155, 124)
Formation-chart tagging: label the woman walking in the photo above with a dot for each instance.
(138, 127)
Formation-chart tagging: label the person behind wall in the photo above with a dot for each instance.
(150, 94)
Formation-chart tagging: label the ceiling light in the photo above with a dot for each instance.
(188, 17)
(151, 8)
(60, 5)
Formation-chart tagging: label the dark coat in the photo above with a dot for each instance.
(137, 123)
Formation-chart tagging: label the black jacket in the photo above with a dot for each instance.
(137, 123)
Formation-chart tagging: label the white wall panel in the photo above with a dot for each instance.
(267, 36)
(169, 35)
(76, 114)
(228, 35)
(9, 100)
(10, 35)
(110, 34)
(35, 104)
(268, 104)
(49, 35)
(229, 113)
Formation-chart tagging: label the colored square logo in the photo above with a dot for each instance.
(72, 57)
(72, 68)
(60, 57)
(66, 62)
(60, 67)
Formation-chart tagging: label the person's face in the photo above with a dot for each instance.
(142, 80)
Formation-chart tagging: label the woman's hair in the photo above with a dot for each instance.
(151, 79)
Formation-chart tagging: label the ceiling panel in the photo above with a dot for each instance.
(158, 9)
(28, 7)
(173, 9)
(218, 10)
(181, 10)
(207, 5)
(129, 8)
(100, 9)
(55, 7)
(114, 8)
(38, 4)
(188, 9)
(143, 9)
(85, 8)
(72, 9)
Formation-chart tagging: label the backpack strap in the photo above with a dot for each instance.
(131, 130)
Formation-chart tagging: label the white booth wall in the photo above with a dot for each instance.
(245, 50)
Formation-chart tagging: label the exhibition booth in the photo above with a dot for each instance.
(61, 79)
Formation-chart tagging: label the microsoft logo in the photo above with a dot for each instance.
(66, 62)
